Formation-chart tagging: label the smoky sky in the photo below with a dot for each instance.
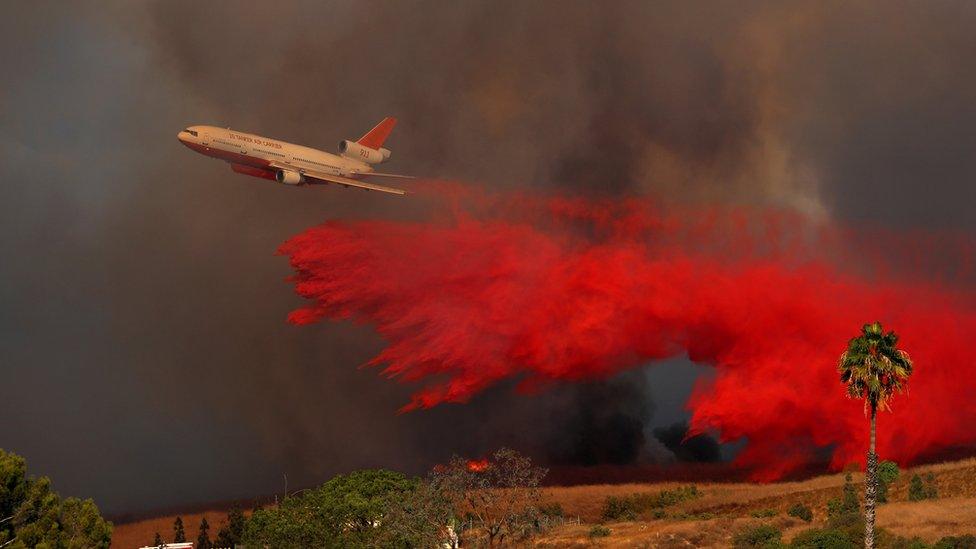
(696, 448)
(145, 358)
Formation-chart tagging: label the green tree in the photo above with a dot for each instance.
(873, 368)
(422, 517)
(34, 515)
(13, 488)
(203, 538)
(158, 540)
(232, 533)
(83, 525)
(179, 534)
(347, 511)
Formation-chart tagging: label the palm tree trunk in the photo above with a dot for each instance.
(871, 487)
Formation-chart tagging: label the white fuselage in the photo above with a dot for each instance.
(254, 154)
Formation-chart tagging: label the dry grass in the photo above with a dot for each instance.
(660, 533)
(930, 520)
(587, 502)
(731, 503)
(141, 532)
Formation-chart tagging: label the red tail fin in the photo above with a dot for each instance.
(375, 137)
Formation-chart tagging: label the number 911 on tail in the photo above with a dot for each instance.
(291, 164)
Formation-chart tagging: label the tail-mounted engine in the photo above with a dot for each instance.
(351, 149)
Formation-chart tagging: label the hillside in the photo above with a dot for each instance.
(140, 532)
(730, 505)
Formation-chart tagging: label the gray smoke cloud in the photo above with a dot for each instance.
(145, 356)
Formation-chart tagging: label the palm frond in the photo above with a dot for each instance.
(873, 368)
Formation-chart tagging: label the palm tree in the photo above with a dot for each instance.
(873, 369)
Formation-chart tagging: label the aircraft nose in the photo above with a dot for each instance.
(181, 136)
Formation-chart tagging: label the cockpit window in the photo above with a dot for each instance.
(191, 132)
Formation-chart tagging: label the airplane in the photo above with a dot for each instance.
(290, 164)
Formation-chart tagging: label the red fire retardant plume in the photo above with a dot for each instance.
(551, 290)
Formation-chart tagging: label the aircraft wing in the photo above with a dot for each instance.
(320, 177)
(396, 175)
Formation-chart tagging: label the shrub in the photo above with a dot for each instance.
(801, 512)
(849, 524)
(881, 496)
(956, 542)
(552, 510)
(919, 490)
(848, 504)
(884, 539)
(916, 491)
(887, 473)
(629, 507)
(761, 536)
(844, 517)
(691, 516)
(763, 513)
(545, 516)
(834, 507)
(599, 531)
(830, 538)
(901, 542)
(620, 508)
(666, 498)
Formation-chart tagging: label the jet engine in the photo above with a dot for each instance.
(351, 149)
(289, 177)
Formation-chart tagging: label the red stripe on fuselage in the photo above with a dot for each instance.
(232, 157)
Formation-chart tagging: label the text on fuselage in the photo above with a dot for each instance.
(262, 142)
